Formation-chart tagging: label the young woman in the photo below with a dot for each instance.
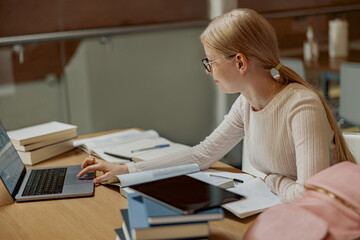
(289, 130)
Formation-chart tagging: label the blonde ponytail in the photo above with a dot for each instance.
(343, 153)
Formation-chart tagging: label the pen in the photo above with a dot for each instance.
(234, 179)
(149, 148)
(121, 157)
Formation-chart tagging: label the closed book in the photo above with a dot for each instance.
(40, 132)
(119, 234)
(126, 225)
(41, 154)
(125, 191)
(141, 229)
(63, 137)
(160, 214)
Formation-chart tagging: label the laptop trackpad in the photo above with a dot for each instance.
(71, 176)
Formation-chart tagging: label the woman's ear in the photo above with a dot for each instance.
(241, 63)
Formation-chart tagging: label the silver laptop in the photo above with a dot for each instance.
(39, 183)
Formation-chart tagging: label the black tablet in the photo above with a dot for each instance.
(185, 194)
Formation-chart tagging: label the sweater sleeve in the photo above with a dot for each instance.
(213, 148)
(313, 137)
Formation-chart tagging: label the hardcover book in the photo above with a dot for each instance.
(159, 214)
(40, 132)
(50, 141)
(41, 154)
(141, 229)
(120, 234)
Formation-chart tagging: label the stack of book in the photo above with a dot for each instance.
(40, 142)
(147, 219)
(166, 204)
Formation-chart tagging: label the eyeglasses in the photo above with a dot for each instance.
(208, 64)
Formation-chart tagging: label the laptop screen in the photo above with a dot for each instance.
(11, 166)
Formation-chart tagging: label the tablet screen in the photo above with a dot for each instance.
(185, 194)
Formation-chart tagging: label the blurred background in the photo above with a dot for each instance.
(104, 65)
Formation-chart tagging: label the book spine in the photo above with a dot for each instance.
(44, 137)
(173, 232)
(50, 141)
(36, 156)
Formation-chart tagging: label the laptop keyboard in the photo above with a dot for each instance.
(45, 181)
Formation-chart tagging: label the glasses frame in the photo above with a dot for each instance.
(208, 64)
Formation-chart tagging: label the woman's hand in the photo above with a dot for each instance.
(109, 169)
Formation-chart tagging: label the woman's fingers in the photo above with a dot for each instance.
(109, 169)
(103, 177)
(88, 161)
(89, 168)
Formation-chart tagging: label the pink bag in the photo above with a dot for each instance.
(330, 209)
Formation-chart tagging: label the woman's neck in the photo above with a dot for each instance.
(261, 91)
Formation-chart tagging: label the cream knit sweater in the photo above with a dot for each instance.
(289, 140)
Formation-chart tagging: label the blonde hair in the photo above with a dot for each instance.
(246, 31)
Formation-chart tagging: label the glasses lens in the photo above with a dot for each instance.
(206, 64)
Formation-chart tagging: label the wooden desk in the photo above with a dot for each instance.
(89, 217)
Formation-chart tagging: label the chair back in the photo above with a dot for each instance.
(353, 142)
(349, 108)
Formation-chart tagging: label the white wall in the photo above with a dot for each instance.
(148, 80)
(32, 103)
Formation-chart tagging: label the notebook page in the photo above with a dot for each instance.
(258, 197)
